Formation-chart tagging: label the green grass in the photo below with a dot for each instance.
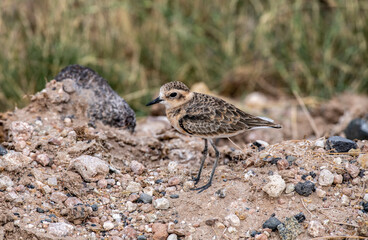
(314, 47)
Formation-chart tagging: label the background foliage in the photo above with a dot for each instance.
(313, 47)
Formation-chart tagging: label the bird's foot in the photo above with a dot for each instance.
(195, 180)
(201, 189)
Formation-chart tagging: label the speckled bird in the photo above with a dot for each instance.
(200, 115)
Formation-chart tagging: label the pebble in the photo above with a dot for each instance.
(326, 178)
(108, 225)
(320, 193)
(362, 160)
(94, 207)
(261, 236)
(365, 198)
(248, 175)
(357, 129)
(188, 185)
(5, 182)
(290, 229)
(305, 188)
(347, 191)
(14, 161)
(340, 144)
(282, 164)
(271, 223)
(221, 193)
(21, 131)
(337, 160)
(172, 166)
(151, 217)
(174, 196)
(345, 200)
(90, 168)
(58, 197)
(159, 231)
(131, 207)
(275, 186)
(172, 237)
(319, 143)
(52, 181)
(233, 220)
(338, 178)
(72, 201)
(60, 229)
(141, 237)
(130, 233)
(3, 150)
(137, 167)
(102, 183)
(134, 187)
(352, 170)
(316, 229)
(232, 230)
(161, 203)
(173, 181)
(145, 198)
(290, 187)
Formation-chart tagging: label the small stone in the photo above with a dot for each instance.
(72, 201)
(305, 188)
(210, 222)
(316, 229)
(137, 167)
(161, 203)
(5, 182)
(52, 181)
(142, 237)
(319, 143)
(282, 164)
(58, 197)
(275, 186)
(338, 178)
(326, 178)
(221, 193)
(3, 150)
(340, 144)
(151, 217)
(337, 160)
(188, 185)
(133, 197)
(174, 196)
(261, 236)
(172, 237)
(131, 207)
(94, 207)
(102, 183)
(320, 193)
(90, 168)
(60, 229)
(347, 191)
(248, 175)
(352, 170)
(357, 129)
(134, 187)
(300, 217)
(233, 219)
(365, 198)
(14, 161)
(159, 231)
(362, 160)
(232, 230)
(271, 223)
(173, 181)
(290, 229)
(40, 210)
(172, 166)
(108, 225)
(345, 201)
(290, 187)
(21, 131)
(145, 198)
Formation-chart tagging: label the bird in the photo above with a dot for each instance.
(207, 117)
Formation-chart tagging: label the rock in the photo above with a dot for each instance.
(188, 185)
(174, 181)
(290, 229)
(362, 160)
(271, 223)
(305, 188)
(340, 144)
(5, 182)
(161, 203)
(338, 179)
(3, 150)
(174, 196)
(52, 181)
(282, 164)
(221, 193)
(58, 197)
(103, 102)
(232, 230)
(159, 231)
(21, 131)
(352, 170)
(72, 201)
(145, 198)
(233, 220)
(326, 178)
(316, 229)
(90, 168)
(320, 193)
(131, 207)
(345, 200)
(300, 217)
(172, 237)
(290, 187)
(365, 198)
(137, 167)
(172, 166)
(102, 183)
(142, 237)
(248, 175)
(337, 160)
(319, 143)
(60, 229)
(43, 159)
(134, 187)
(14, 161)
(261, 236)
(108, 225)
(78, 213)
(130, 233)
(357, 129)
(275, 186)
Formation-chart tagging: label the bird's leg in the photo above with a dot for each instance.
(205, 152)
(201, 189)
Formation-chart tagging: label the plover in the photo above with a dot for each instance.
(207, 117)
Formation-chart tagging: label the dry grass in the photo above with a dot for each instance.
(311, 47)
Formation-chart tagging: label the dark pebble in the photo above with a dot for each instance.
(176, 221)
(30, 186)
(361, 173)
(271, 223)
(16, 214)
(94, 207)
(144, 198)
(290, 159)
(305, 189)
(52, 216)
(340, 144)
(365, 207)
(304, 176)
(357, 129)
(40, 210)
(253, 233)
(313, 174)
(300, 217)
(346, 177)
(221, 193)
(174, 196)
(3, 151)
(141, 237)
(158, 181)
(268, 158)
(275, 160)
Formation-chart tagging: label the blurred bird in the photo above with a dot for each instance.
(207, 117)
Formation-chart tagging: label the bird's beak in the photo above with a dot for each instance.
(157, 100)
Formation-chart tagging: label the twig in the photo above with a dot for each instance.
(306, 207)
(347, 224)
(307, 114)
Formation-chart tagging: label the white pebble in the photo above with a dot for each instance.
(108, 225)
(275, 186)
(161, 203)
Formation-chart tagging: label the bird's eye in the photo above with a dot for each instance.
(173, 94)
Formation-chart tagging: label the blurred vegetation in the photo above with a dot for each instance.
(313, 47)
